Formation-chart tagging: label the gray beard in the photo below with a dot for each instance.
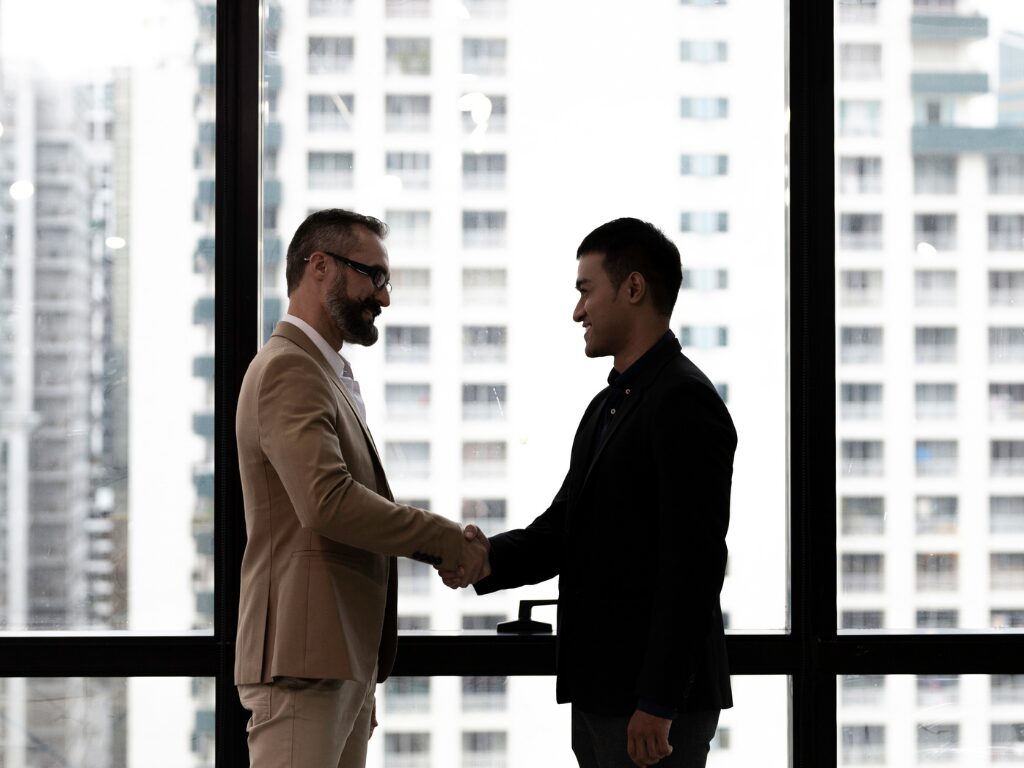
(348, 317)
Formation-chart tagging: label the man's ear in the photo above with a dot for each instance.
(636, 287)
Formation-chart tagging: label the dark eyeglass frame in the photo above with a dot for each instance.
(378, 276)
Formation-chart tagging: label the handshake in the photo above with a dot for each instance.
(474, 562)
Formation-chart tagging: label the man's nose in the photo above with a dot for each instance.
(385, 296)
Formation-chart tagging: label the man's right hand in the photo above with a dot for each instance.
(474, 563)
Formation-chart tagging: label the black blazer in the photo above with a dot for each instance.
(636, 535)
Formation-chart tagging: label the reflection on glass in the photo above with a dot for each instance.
(930, 346)
(901, 720)
(105, 722)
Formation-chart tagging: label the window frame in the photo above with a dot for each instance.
(811, 652)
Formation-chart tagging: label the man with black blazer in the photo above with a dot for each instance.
(636, 533)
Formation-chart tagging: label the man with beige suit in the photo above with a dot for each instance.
(317, 614)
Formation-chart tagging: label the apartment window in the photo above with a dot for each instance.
(1006, 618)
(938, 742)
(1006, 174)
(1006, 514)
(703, 51)
(863, 690)
(937, 230)
(330, 55)
(331, 7)
(704, 336)
(934, 110)
(482, 621)
(935, 345)
(408, 113)
(407, 343)
(864, 620)
(414, 577)
(1007, 458)
(860, 287)
(412, 168)
(934, 401)
(935, 287)
(407, 750)
(484, 402)
(863, 515)
(860, 231)
(863, 744)
(858, 11)
(1007, 689)
(935, 174)
(723, 736)
(482, 112)
(486, 9)
(704, 107)
(407, 9)
(860, 401)
(858, 117)
(1005, 288)
(1006, 345)
(937, 690)
(407, 401)
(330, 112)
(484, 749)
(1005, 232)
(862, 458)
(407, 694)
(484, 343)
(704, 280)
(484, 229)
(704, 165)
(409, 229)
(407, 55)
(484, 694)
(704, 222)
(937, 572)
(484, 459)
(487, 514)
(484, 56)
(1007, 742)
(860, 175)
(940, 7)
(408, 460)
(860, 61)
(330, 170)
(1006, 401)
(860, 344)
(483, 171)
(412, 284)
(1006, 570)
(937, 618)
(936, 458)
(863, 573)
(936, 514)
(414, 622)
(484, 286)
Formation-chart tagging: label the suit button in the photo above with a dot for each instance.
(613, 411)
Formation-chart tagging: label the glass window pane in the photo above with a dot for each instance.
(106, 317)
(483, 167)
(930, 330)
(94, 721)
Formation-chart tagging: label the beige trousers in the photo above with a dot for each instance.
(299, 723)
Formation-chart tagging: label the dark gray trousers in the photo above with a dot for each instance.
(599, 741)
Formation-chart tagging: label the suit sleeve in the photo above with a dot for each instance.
(695, 443)
(296, 411)
(528, 555)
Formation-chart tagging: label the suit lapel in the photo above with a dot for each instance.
(296, 335)
(622, 413)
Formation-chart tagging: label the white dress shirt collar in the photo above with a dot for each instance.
(334, 358)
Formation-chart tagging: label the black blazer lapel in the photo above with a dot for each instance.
(622, 413)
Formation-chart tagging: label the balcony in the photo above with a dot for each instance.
(948, 82)
(942, 28)
(952, 139)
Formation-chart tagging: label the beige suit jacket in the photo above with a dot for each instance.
(318, 582)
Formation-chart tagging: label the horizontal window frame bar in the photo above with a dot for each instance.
(431, 654)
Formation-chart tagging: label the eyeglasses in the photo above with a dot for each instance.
(377, 276)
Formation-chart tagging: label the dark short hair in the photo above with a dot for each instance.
(331, 229)
(632, 245)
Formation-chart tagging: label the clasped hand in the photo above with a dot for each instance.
(474, 562)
